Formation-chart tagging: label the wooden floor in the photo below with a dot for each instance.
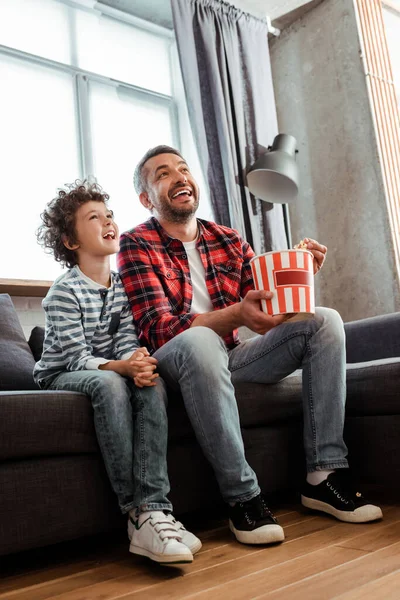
(320, 559)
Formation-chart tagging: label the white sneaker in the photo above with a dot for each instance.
(188, 538)
(155, 535)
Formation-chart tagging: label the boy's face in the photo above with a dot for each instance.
(96, 233)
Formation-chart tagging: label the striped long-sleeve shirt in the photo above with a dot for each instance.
(86, 325)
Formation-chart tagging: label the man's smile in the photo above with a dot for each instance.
(182, 193)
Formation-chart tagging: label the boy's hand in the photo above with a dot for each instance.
(145, 380)
(143, 351)
(140, 365)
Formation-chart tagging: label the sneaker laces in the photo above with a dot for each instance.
(342, 488)
(256, 509)
(165, 526)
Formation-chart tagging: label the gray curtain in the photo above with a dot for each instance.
(226, 70)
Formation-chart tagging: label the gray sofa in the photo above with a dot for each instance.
(52, 480)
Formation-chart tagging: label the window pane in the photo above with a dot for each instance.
(40, 27)
(124, 127)
(38, 153)
(120, 51)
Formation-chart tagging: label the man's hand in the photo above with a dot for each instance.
(252, 315)
(319, 252)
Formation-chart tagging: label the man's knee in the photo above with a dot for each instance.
(331, 321)
(201, 343)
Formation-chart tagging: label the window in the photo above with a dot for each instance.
(83, 98)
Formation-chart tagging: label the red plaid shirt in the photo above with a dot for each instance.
(155, 271)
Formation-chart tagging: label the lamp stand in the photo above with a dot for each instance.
(286, 221)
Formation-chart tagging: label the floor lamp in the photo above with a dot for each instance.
(274, 176)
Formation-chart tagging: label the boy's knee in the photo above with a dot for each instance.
(111, 383)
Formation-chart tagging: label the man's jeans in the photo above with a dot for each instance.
(132, 429)
(198, 361)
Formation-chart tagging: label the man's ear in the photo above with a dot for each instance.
(67, 243)
(145, 200)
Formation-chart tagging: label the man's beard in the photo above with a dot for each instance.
(182, 215)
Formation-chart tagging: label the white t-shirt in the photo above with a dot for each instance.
(201, 301)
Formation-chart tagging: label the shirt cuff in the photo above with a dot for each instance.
(127, 355)
(94, 363)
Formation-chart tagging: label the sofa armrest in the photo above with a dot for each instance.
(373, 338)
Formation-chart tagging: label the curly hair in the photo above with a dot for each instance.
(58, 219)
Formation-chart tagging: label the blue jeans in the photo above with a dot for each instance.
(198, 362)
(132, 428)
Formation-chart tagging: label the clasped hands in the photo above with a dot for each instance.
(140, 367)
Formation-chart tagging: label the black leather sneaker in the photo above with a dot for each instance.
(253, 523)
(337, 497)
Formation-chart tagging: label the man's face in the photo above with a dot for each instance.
(171, 191)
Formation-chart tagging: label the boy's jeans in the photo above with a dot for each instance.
(198, 361)
(131, 427)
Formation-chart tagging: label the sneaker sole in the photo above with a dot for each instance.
(363, 514)
(162, 559)
(193, 549)
(268, 534)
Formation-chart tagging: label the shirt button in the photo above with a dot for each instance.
(229, 268)
(168, 274)
(184, 256)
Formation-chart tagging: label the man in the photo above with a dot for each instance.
(190, 287)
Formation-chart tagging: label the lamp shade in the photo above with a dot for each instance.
(274, 176)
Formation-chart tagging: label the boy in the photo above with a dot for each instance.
(91, 346)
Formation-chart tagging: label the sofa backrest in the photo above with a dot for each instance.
(16, 358)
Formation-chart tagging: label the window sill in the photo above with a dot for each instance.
(24, 287)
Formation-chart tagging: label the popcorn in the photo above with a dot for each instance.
(301, 245)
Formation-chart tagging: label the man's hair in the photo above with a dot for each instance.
(139, 180)
(58, 219)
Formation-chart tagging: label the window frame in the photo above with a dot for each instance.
(81, 81)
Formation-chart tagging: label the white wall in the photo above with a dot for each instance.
(30, 312)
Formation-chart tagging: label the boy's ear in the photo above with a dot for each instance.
(145, 200)
(67, 243)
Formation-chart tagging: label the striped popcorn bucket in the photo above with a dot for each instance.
(289, 274)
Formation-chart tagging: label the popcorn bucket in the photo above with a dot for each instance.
(289, 274)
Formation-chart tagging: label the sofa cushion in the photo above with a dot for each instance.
(35, 342)
(373, 388)
(16, 359)
(45, 423)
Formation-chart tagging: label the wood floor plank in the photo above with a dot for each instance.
(373, 540)
(385, 588)
(40, 574)
(338, 580)
(272, 578)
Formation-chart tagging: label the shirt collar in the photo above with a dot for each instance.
(167, 239)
